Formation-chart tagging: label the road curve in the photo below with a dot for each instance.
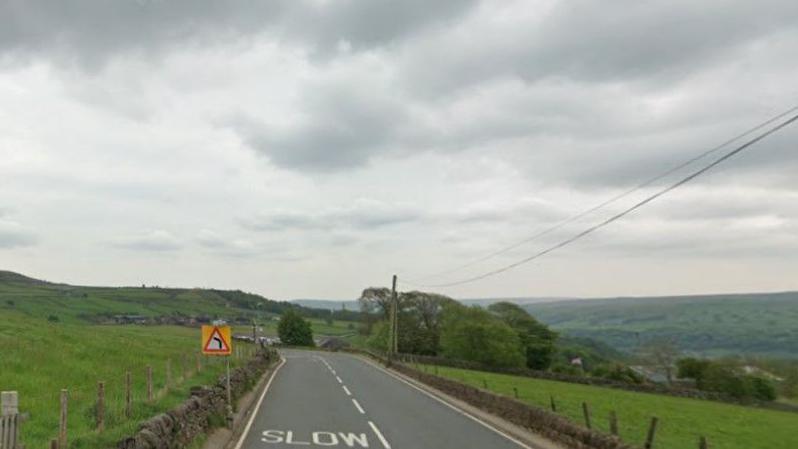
(332, 400)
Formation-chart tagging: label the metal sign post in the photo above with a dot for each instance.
(216, 341)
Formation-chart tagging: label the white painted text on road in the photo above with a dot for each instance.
(320, 439)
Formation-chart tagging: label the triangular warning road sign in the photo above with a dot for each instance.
(216, 343)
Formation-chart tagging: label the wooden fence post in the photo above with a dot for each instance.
(100, 406)
(62, 422)
(702, 443)
(9, 403)
(586, 412)
(613, 423)
(149, 383)
(53, 444)
(128, 395)
(652, 430)
(9, 419)
(553, 405)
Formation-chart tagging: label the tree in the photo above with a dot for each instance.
(375, 305)
(420, 316)
(294, 330)
(376, 301)
(536, 338)
(726, 378)
(692, 368)
(473, 334)
(662, 354)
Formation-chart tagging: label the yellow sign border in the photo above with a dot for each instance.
(224, 332)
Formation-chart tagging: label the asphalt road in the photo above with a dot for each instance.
(329, 400)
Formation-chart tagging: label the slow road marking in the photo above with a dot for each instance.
(320, 438)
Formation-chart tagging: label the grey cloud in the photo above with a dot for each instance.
(342, 127)
(154, 241)
(757, 237)
(361, 215)
(219, 244)
(531, 210)
(14, 235)
(596, 41)
(91, 31)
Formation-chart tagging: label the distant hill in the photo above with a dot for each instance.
(764, 324)
(712, 325)
(43, 299)
(327, 304)
(337, 304)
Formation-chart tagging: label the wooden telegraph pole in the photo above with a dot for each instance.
(394, 319)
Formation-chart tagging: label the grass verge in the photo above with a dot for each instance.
(681, 420)
(40, 358)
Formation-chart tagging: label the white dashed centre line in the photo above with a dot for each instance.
(348, 393)
(339, 380)
(379, 435)
(359, 408)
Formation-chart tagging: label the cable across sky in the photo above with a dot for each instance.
(613, 199)
(631, 209)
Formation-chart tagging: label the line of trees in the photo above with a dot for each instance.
(504, 335)
(717, 376)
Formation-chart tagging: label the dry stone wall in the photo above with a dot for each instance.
(178, 427)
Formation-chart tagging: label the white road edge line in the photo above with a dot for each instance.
(379, 435)
(257, 406)
(359, 408)
(339, 380)
(458, 410)
(348, 393)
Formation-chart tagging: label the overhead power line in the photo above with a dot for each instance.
(623, 213)
(611, 200)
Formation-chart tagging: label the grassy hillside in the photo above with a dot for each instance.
(682, 421)
(40, 358)
(69, 303)
(762, 324)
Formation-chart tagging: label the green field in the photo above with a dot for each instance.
(681, 421)
(320, 328)
(40, 358)
(74, 304)
(761, 324)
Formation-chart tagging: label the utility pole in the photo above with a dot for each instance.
(394, 319)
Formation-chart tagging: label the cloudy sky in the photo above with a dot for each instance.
(311, 148)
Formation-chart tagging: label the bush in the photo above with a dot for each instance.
(294, 330)
(726, 379)
(618, 373)
(378, 341)
(53, 318)
(692, 368)
(762, 389)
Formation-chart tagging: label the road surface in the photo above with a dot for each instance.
(332, 400)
